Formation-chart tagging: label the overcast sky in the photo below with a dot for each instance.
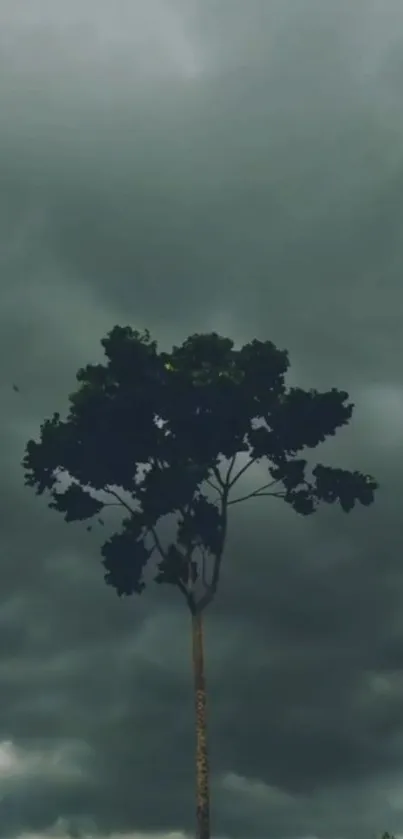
(190, 165)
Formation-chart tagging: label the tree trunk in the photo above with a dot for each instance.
(202, 767)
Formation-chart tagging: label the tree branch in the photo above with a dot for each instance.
(150, 529)
(229, 473)
(258, 493)
(187, 595)
(203, 553)
(121, 501)
(218, 477)
(213, 486)
(242, 471)
(212, 587)
(157, 541)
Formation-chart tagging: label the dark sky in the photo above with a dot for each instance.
(190, 165)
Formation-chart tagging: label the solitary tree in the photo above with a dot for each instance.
(160, 434)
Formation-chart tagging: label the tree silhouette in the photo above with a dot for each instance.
(160, 433)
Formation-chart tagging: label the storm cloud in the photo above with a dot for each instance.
(187, 167)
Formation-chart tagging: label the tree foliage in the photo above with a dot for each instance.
(156, 431)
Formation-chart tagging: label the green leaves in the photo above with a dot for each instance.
(302, 501)
(132, 355)
(166, 489)
(157, 425)
(306, 418)
(201, 525)
(263, 368)
(343, 486)
(203, 358)
(174, 567)
(125, 557)
(330, 486)
(299, 419)
(42, 460)
(290, 472)
(261, 442)
(77, 504)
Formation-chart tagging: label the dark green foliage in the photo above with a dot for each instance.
(201, 525)
(154, 430)
(76, 503)
(329, 485)
(174, 566)
(346, 487)
(125, 557)
(168, 489)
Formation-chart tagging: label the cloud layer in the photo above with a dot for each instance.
(188, 167)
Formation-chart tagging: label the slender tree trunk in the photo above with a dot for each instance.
(202, 767)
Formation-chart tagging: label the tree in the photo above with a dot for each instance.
(160, 434)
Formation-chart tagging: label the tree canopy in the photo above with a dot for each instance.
(154, 430)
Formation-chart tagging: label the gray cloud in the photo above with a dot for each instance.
(188, 167)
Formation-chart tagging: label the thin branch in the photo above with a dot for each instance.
(132, 512)
(157, 544)
(186, 590)
(266, 486)
(204, 580)
(242, 471)
(121, 501)
(211, 588)
(213, 486)
(218, 477)
(229, 473)
(157, 541)
(258, 494)
(187, 595)
(182, 588)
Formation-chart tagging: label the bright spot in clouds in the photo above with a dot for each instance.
(157, 37)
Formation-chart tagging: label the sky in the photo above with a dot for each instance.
(188, 167)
